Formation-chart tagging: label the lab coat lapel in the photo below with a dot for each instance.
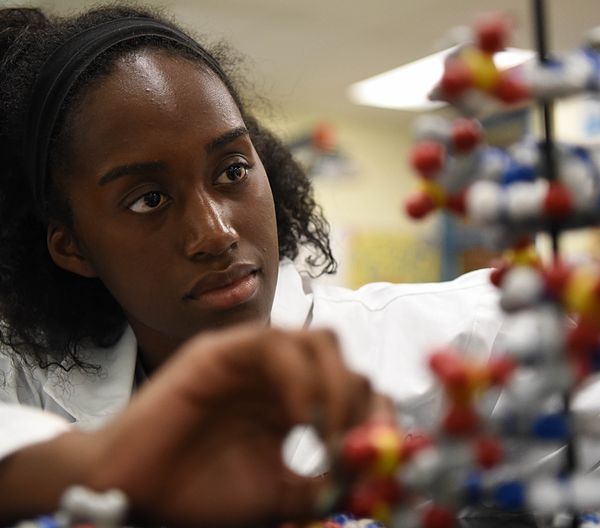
(292, 305)
(91, 398)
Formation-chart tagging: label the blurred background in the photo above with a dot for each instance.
(302, 57)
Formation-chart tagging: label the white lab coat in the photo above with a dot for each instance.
(386, 332)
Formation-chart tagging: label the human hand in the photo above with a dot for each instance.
(201, 443)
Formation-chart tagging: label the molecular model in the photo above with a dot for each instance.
(523, 457)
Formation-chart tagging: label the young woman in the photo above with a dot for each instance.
(141, 205)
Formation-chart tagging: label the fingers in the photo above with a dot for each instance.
(283, 362)
(312, 379)
(303, 373)
(382, 408)
(345, 395)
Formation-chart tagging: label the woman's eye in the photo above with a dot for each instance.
(234, 173)
(148, 202)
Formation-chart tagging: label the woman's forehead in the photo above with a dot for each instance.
(146, 69)
(149, 84)
(162, 75)
(149, 95)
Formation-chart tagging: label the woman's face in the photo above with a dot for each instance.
(171, 205)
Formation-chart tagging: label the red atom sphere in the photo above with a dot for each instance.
(419, 205)
(461, 421)
(413, 443)
(556, 277)
(510, 90)
(558, 203)
(368, 495)
(358, 450)
(427, 158)
(457, 203)
(449, 369)
(456, 78)
(583, 337)
(488, 452)
(492, 32)
(498, 273)
(466, 134)
(500, 369)
(438, 517)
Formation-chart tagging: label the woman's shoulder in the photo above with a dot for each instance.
(388, 330)
(468, 289)
(20, 381)
(84, 395)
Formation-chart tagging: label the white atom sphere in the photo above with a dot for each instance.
(585, 490)
(525, 200)
(546, 496)
(483, 202)
(430, 127)
(577, 177)
(522, 286)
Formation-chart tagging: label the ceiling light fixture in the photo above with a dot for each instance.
(406, 87)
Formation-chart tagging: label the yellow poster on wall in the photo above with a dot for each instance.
(390, 256)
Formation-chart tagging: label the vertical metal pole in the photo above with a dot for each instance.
(547, 110)
(549, 165)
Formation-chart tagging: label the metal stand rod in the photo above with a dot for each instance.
(550, 173)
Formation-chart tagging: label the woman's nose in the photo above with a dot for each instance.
(208, 228)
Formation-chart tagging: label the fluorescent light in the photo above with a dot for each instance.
(407, 87)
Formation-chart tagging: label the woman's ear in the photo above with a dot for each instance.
(65, 251)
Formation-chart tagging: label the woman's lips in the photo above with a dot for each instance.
(226, 289)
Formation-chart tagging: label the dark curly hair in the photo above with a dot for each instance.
(47, 313)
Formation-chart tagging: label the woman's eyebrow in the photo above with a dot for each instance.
(132, 170)
(226, 138)
(156, 166)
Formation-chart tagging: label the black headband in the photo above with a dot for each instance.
(60, 72)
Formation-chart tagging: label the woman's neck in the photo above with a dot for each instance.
(154, 348)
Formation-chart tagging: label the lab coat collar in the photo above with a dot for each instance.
(292, 304)
(91, 398)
